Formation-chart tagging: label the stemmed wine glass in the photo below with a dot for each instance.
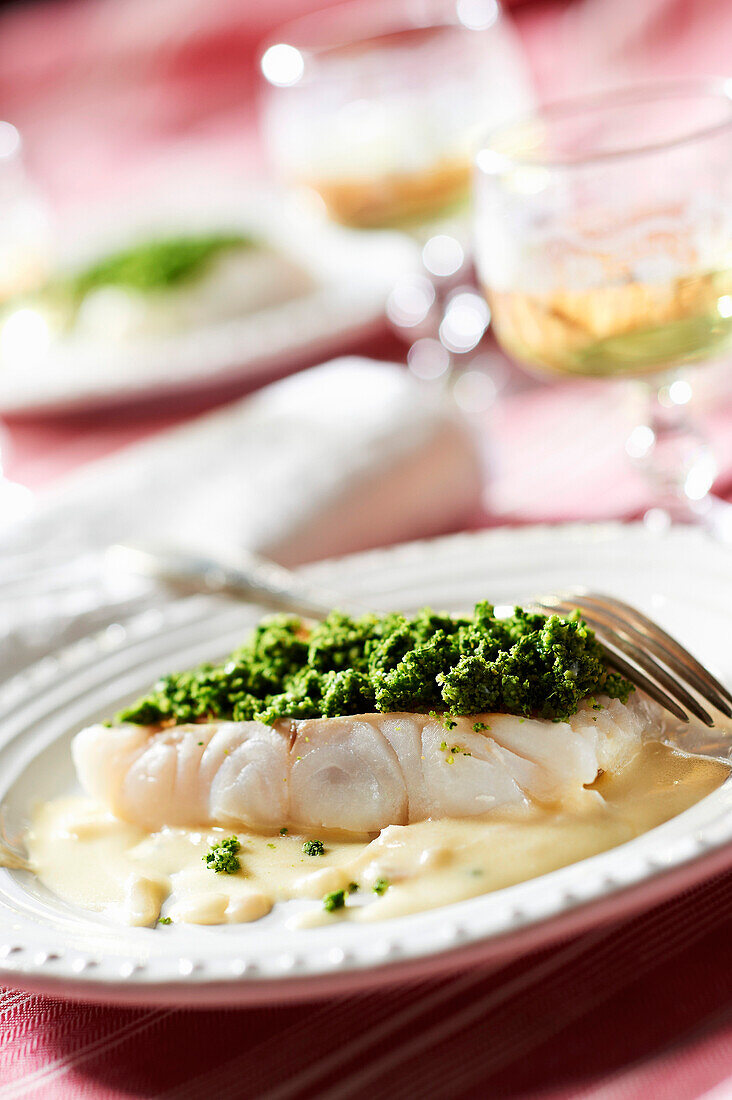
(24, 243)
(603, 239)
(377, 109)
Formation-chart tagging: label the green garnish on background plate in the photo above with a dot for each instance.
(146, 267)
(155, 264)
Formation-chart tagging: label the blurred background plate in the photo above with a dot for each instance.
(349, 276)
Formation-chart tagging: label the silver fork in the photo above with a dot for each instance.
(634, 645)
(646, 655)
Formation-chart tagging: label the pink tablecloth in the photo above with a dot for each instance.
(641, 1010)
(637, 1011)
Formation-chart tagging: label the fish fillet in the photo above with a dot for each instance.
(356, 774)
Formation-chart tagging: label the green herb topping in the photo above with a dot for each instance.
(528, 664)
(222, 858)
(165, 920)
(352, 887)
(313, 848)
(381, 886)
(152, 264)
(334, 901)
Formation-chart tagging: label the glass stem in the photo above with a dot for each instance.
(671, 450)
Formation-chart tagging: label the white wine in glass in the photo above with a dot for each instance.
(603, 237)
(378, 107)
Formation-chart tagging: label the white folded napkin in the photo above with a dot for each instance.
(348, 455)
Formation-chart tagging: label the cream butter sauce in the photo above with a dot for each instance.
(89, 858)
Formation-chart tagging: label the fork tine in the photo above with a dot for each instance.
(630, 672)
(623, 642)
(672, 652)
(635, 675)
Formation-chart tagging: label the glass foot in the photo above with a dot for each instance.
(673, 454)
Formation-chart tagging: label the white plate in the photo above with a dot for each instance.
(683, 580)
(352, 275)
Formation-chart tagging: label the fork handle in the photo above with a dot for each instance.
(248, 577)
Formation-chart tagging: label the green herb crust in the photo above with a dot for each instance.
(527, 664)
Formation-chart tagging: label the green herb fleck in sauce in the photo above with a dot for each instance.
(313, 848)
(334, 901)
(222, 858)
(527, 664)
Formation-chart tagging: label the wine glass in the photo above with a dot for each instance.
(603, 238)
(24, 241)
(377, 109)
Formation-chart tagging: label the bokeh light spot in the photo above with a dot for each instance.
(282, 65)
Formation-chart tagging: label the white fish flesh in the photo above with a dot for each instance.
(355, 774)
